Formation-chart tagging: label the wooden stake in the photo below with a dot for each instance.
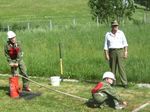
(61, 60)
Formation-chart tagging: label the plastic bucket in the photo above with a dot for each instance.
(14, 86)
(55, 80)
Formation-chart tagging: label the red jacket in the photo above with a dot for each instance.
(97, 87)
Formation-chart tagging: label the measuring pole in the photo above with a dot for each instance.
(61, 60)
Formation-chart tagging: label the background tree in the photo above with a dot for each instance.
(107, 10)
(145, 3)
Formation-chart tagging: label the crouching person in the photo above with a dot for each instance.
(14, 55)
(103, 94)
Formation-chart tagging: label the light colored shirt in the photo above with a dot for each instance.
(115, 41)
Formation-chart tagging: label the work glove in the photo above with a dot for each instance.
(125, 103)
(13, 64)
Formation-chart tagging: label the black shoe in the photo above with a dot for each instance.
(92, 103)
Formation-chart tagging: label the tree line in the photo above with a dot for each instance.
(145, 3)
(107, 10)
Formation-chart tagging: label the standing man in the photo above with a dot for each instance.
(14, 55)
(115, 49)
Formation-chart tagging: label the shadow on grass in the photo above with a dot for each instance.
(91, 103)
(23, 94)
(29, 95)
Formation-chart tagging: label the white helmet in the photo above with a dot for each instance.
(109, 75)
(10, 34)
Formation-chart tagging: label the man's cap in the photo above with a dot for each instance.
(114, 23)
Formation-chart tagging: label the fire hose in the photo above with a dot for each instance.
(57, 91)
(141, 107)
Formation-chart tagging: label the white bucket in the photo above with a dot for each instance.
(55, 80)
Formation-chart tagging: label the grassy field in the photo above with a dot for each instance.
(27, 9)
(82, 48)
(49, 101)
(82, 44)
(82, 52)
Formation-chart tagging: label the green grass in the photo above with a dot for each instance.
(82, 54)
(82, 48)
(50, 101)
(82, 44)
(36, 8)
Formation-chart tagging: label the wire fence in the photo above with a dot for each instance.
(50, 23)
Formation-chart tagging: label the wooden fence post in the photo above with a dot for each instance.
(28, 26)
(74, 22)
(8, 28)
(50, 25)
(97, 21)
(145, 17)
